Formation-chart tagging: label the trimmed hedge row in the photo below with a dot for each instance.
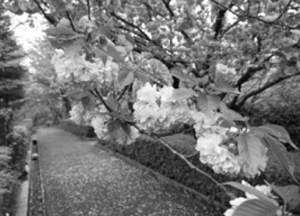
(82, 131)
(159, 158)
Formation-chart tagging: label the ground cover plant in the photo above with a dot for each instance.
(133, 68)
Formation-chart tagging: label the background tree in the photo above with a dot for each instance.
(11, 71)
(45, 97)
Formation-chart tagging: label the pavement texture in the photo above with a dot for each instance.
(79, 178)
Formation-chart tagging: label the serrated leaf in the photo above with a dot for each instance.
(61, 33)
(280, 133)
(181, 76)
(113, 126)
(251, 150)
(105, 30)
(203, 80)
(255, 207)
(88, 103)
(224, 86)
(59, 44)
(250, 190)
(73, 49)
(208, 103)
(142, 77)
(126, 128)
(290, 194)
(111, 50)
(278, 151)
(112, 103)
(230, 114)
(125, 78)
(183, 93)
(100, 54)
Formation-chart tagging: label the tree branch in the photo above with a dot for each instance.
(229, 28)
(150, 8)
(265, 87)
(89, 9)
(284, 10)
(71, 21)
(131, 25)
(167, 5)
(50, 19)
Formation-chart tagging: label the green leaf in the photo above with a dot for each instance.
(128, 118)
(251, 150)
(105, 30)
(112, 103)
(230, 114)
(208, 103)
(181, 76)
(290, 194)
(280, 133)
(278, 151)
(111, 50)
(142, 77)
(183, 93)
(250, 190)
(59, 44)
(125, 78)
(74, 48)
(255, 207)
(88, 103)
(224, 86)
(203, 80)
(113, 126)
(62, 33)
(100, 54)
(126, 128)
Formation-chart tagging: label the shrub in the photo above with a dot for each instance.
(14, 142)
(161, 159)
(82, 131)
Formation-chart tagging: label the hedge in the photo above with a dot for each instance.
(79, 130)
(13, 152)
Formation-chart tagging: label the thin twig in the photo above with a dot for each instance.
(100, 96)
(122, 93)
(164, 143)
(44, 13)
(229, 27)
(284, 10)
(89, 9)
(71, 21)
(131, 25)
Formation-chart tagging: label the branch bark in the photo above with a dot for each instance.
(262, 89)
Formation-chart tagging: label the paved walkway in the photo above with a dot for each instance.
(81, 179)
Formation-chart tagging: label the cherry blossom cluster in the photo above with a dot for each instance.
(155, 110)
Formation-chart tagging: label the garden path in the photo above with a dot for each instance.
(78, 178)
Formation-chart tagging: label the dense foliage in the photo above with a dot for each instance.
(155, 67)
(11, 72)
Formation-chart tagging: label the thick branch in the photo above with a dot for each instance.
(247, 75)
(265, 87)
